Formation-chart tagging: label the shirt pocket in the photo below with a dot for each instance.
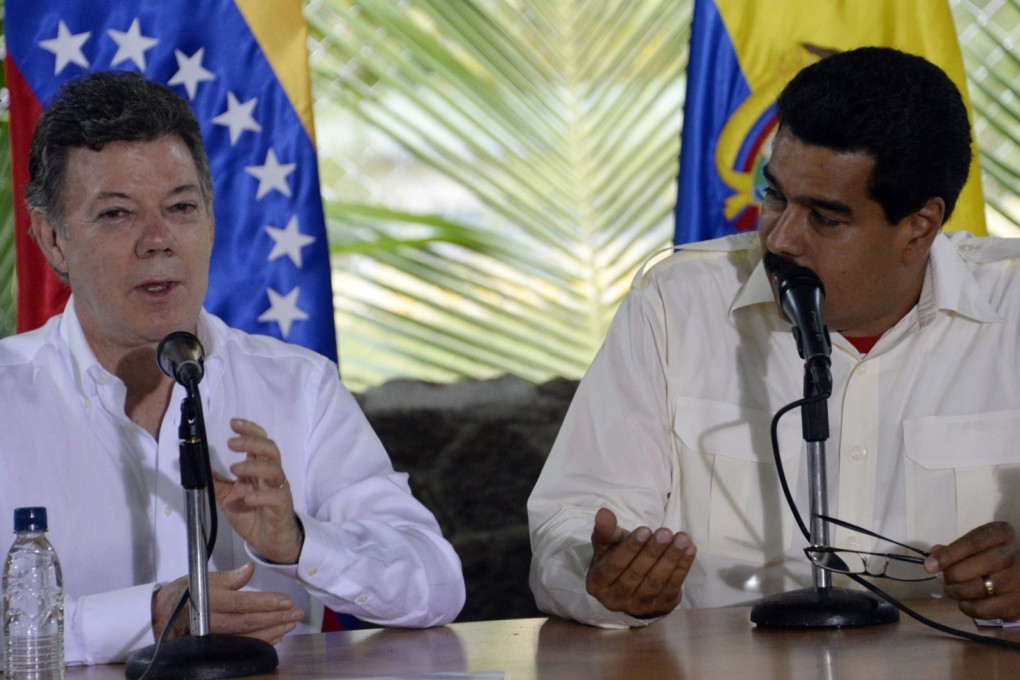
(731, 500)
(962, 472)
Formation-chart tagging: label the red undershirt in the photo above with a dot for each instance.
(864, 345)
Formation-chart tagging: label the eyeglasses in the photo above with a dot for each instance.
(893, 566)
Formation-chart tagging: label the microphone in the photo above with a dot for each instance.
(180, 356)
(801, 294)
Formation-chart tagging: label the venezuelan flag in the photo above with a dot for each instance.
(242, 64)
(742, 54)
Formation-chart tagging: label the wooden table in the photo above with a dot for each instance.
(705, 643)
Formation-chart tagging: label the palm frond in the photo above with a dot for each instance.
(557, 123)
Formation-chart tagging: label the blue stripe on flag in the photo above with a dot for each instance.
(715, 89)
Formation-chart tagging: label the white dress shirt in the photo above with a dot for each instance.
(117, 509)
(670, 426)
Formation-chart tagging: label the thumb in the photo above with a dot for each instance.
(606, 532)
(234, 579)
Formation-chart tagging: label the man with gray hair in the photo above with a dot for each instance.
(121, 205)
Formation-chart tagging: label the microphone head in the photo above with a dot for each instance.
(180, 355)
(798, 277)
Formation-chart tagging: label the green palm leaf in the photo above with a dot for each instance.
(556, 123)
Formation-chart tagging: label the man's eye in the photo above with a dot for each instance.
(113, 214)
(823, 221)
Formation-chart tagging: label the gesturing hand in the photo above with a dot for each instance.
(258, 503)
(637, 572)
(266, 616)
(981, 571)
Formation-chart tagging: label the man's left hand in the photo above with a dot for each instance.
(981, 571)
(258, 502)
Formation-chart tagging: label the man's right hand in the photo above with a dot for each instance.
(265, 616)
(638, 572)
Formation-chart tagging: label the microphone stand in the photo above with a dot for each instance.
(200, 654)
(823, 606)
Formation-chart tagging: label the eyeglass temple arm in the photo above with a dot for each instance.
(854, 527)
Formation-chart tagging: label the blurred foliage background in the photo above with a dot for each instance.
(494, 171)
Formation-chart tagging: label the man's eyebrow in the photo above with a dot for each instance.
(837, 207)
(185, 188)
(176, 191)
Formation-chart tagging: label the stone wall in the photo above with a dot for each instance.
(473, 451)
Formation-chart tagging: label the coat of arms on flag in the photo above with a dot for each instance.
(743, 54)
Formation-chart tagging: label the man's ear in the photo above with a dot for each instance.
(921, 229)
(45, 233)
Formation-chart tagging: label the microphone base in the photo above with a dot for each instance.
(822, 608)
(204, 658)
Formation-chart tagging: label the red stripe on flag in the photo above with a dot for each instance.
(40, 293)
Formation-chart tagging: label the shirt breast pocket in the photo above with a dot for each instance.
(731, 500)
(962, 472)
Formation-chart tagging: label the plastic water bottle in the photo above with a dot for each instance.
(33, 602)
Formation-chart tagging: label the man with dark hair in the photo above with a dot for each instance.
(312, 512)
(670, 426)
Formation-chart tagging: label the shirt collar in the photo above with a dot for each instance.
(949, 285)
(89, 374)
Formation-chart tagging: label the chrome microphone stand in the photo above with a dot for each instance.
(201, 654)
(824, 605)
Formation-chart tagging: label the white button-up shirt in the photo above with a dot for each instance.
(670, 426)
(117, 509)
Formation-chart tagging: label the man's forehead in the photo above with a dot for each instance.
(166, 156)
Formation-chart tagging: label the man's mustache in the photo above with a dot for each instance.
(777, 266)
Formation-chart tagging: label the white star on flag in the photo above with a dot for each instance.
(190, 71)
(66, 47)
(271, 175)
(289, 241)
(131, 45)
(238, 117)
(283, 310)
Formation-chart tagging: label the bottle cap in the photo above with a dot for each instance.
(30, 519)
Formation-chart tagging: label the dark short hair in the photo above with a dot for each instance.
(100, 108)
(899, 108)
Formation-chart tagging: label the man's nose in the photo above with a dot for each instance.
(156, 236)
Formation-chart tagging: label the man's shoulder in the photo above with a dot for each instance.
(984, 250)
(730, 258)
(238, 344)
(24, 348)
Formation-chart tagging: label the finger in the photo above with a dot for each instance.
(973, 589)
(246, 427)
(231, 579)
(262, 472)
(629, 577)
(661, 586)
(960, 552)
(607, 568)
(255, 623)
(256, 447)
(249, 603)
(607, 532)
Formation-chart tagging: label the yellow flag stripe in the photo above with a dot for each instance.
(280, 29)
(773, 40)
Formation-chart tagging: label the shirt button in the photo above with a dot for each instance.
(313, 571)
(858, 454)
(88, 404)
(362, 599)
(861, 369)
(168, 511)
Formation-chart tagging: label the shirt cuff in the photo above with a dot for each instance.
(107, 627)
